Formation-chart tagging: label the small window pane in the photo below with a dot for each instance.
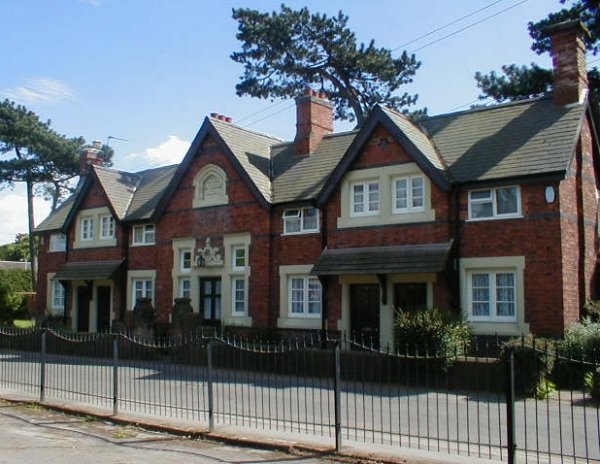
(401, 194)
(374, 197)
(417, 192)
(506, 200)
(481, 195)
(310, 218)
(482, 210)
(358, 198)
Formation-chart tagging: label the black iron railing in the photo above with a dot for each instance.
(470, 402)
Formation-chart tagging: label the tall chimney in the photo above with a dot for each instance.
(314, 120)
(568, 61)
(89, 156)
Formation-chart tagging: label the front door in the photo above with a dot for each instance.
(364, 312)
(210, 299)
(84, 295)
(103, 308)
(410, 297)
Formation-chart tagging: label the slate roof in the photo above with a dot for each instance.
(532, 137)
(298, 178)
(383, 260)
(252, 150)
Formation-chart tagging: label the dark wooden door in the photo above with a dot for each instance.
(84, 295)
(210, 299)
(364, 312)
(410, 296)
(103, 308)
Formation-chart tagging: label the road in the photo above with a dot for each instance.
(33, 434)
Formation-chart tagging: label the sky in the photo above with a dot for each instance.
(149, 71)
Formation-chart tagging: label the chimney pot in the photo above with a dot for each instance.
(97, 145)
(228, 119)
(214, 115)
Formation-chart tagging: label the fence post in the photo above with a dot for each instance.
(43, 367)
(209, 374)
(510, 408)
(115, 344)
(337, 380)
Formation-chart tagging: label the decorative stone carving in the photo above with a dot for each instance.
(208, 256)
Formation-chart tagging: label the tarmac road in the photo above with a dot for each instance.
(30, 434)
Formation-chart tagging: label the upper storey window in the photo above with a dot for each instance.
(409, 194)
(87, 228)
(58, 242)
(107, 227)
(95, 228)
(210, 187)
(300, 221)
(365, 199)
(144, 234)
(495, 203)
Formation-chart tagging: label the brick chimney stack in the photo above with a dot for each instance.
(314, 120)
(568, 61)
(88, 157)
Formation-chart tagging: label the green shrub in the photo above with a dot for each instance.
(581, 346)
(13, 305)
(533, 361)
(592, 383)
(431, 332)
(591, 310)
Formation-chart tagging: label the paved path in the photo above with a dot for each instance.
(35, 435)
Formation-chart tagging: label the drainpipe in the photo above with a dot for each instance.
(324, 280)
(456, 233)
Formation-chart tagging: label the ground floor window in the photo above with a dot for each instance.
(238, 296)
(304, 293)
(58, 296)
(185, 288)
(492, 295)
(142, 288)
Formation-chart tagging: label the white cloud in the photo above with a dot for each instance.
(13, 211)
(171, 151)
(40, 90)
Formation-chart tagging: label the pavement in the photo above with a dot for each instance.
(30, 433)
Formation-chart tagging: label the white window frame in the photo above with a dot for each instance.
(146, 290)
(147, 230)
(493, 199)
(87, 227)
(58, 242)
(306, 280)
(235, 296)
(366, 185)
(185, 291)
(58, 295)
(299, 214)
(185, 263)
(493, 301)
(234, 258)
(410, 198)
(107, 227)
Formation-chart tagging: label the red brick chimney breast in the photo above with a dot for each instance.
(568, 61)
(89, 156)
(314, 120)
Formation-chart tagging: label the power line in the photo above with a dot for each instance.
(272, 105)
(469, 26)
(272, 114)
(446, 25)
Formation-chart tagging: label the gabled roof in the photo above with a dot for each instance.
(532, 137)
(151, 187)
(56, 220)
(119, 187)
(300, 177)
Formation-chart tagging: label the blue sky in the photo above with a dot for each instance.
(150, 71)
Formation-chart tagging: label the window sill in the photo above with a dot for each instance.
(310, 232)
(142, 244)
(495, 218)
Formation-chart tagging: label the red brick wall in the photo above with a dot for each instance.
(243, 214)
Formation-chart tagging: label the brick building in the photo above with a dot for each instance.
(490, 211)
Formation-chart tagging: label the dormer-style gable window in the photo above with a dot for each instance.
(300, 221)
(210, 187)
(107, 227)
(495, 203)
(143, 234)
(87, 227)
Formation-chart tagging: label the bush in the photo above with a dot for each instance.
(532, 365)
(581, 346)
(432, 332)
(12, 305)
(591, 310)
(592, 383)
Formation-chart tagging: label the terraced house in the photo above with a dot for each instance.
(491, 212)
